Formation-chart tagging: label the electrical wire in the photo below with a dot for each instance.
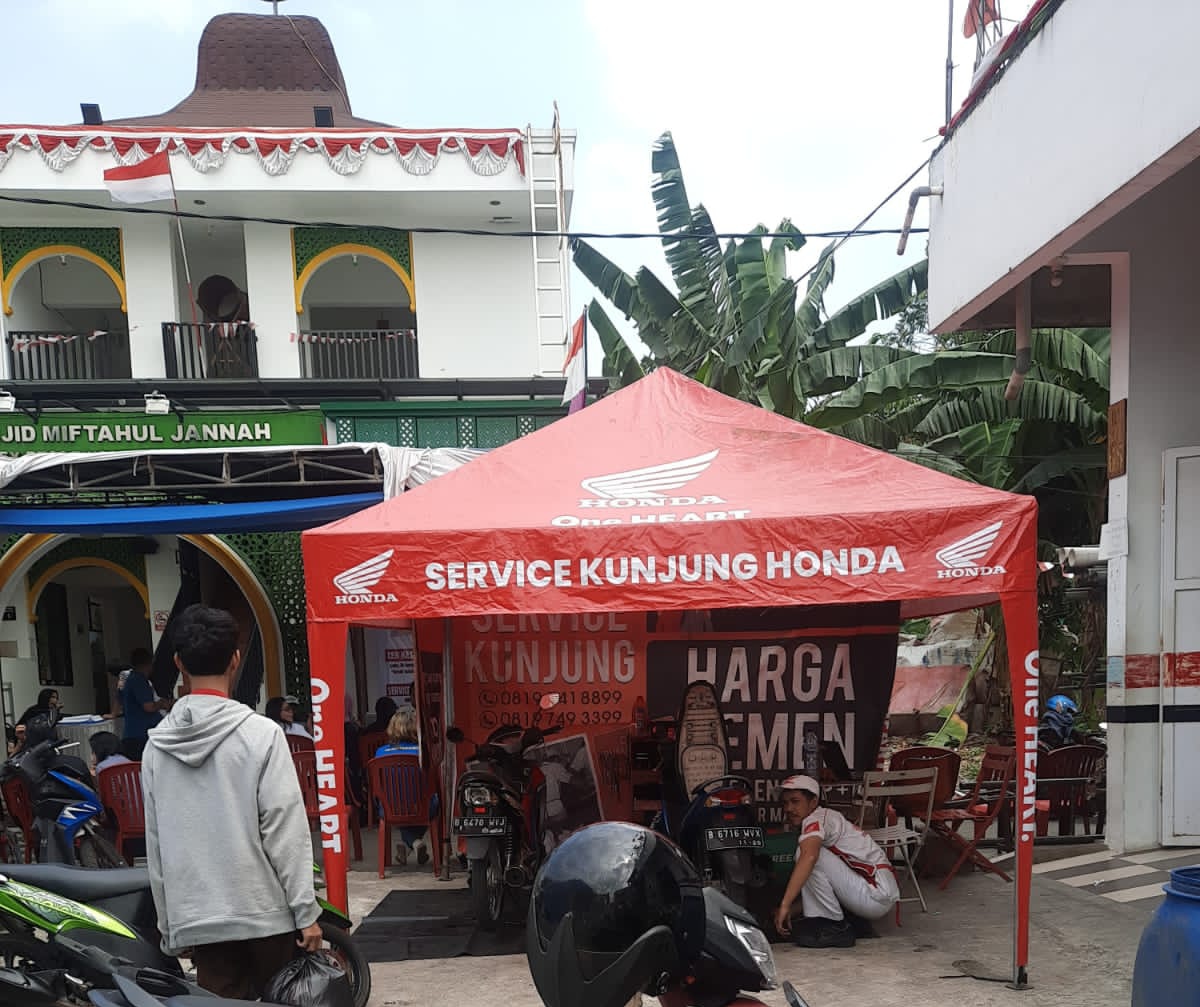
(469, 232)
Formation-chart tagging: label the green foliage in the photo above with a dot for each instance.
(735, 320)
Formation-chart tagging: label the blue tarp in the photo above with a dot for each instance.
(179, 519)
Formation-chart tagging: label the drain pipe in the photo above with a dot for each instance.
(913, 197)
(1024, 330)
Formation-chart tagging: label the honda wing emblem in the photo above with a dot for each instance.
(652, 482)
(969, 551)
(365, 576)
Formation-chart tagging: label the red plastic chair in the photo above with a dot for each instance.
(992, 794)
(398, 784)
(299, 743)
(305, 762)
(121, 793)
(16, 799)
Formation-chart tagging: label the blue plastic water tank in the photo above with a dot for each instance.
(1167, 969)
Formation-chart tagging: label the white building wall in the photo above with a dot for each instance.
(162, 580)
(1156, 371)
(1097, 98)
(150, 291)
(269, 282)
(475, 307)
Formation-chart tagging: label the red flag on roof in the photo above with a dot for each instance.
(980, 14)
(144, 182)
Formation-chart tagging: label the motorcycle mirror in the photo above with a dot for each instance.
(455, 735)
(550, 700)
(794, 999)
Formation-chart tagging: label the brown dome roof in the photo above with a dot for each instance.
(261, 70)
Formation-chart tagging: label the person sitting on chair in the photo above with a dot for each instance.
(106, 751)
(842, 877)
(402, 740)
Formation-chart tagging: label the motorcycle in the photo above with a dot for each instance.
(718, 828)
(112, 912)
(66, 806)
(1058, 727)
(126, 985)
(502, 826)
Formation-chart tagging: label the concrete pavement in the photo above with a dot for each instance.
(1082, 952)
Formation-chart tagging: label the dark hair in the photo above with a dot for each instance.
(385, 709)
(205, 640)
(141, 656)
(274, 710)
(44, 698)
(104, 745)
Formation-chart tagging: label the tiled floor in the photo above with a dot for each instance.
(1131, 878)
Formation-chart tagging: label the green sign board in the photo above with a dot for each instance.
(139, 432)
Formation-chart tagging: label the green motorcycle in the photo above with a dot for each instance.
(114, 910)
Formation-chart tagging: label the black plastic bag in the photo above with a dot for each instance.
(311, 980)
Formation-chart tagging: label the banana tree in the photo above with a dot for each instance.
(735, 320)
(951, 403)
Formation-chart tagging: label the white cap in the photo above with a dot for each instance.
(802, 782)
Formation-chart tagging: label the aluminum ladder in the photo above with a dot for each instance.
(551, 262)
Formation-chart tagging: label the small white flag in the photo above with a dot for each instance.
(146, 182)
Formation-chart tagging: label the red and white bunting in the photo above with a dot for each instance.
(21, 343)
(362, 340)
(488, 152)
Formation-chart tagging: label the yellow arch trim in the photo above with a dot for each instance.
(252, 589)
(46, 252)
(78, 562)
(27, 548)
(352, 248)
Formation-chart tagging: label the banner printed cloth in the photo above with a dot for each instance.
(774, 689)
(504, 665)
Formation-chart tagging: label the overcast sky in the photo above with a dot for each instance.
(792, 108)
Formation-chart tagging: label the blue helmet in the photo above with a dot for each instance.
(1061, 704)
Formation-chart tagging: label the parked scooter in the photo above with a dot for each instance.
(717, 826)
(123, 985)
(113, 911)
(501, 814)
(66, 806)
(1058, 726)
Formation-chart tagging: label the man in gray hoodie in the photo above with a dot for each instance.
(227, 837)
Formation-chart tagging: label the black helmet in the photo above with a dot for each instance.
(616, 910)
(41, 727)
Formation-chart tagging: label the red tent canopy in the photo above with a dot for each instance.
(669, 495)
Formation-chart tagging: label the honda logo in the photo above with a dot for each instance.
(966, 557)
(356, 583)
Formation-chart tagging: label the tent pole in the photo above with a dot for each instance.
(449, 757)
(1021, 625)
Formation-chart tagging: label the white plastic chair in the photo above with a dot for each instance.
(918, 786)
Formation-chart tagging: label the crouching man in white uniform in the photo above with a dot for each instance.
(840, 871)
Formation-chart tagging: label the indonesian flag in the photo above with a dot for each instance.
(145, 182)
(980, 14)
(575, 367)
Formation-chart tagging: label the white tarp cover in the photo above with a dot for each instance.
(403, 468)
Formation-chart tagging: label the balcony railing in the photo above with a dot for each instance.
(358, 353)
(210, 350)
(71, 356)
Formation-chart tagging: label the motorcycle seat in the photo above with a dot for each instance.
(112, 998)
(702, 748)
(83, 884)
